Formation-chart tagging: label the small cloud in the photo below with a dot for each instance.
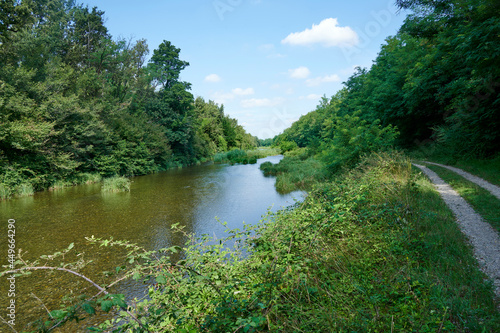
(299, 73)
(313, 97)
(327, 33)
(323, 79)
(243, 92)
(221, 97)
(213, 78)
(260, 102)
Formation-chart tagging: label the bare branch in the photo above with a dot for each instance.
(6, 322)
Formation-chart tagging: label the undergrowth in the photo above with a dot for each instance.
(374, 250)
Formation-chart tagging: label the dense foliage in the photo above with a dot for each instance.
(75, 101)
(436, 81)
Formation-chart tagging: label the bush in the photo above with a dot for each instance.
(352, 137)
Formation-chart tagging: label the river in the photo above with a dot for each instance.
(195, 197)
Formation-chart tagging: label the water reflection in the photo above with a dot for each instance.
(192, 197)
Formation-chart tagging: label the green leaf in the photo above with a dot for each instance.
(106, 305)
(58, 314)
(88, 308)
(118, 301)
(161, 279)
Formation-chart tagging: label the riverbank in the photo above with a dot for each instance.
(374, 249)
(13, 186)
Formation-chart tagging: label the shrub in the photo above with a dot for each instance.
(352, 137)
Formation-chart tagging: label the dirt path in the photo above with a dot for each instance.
(493, 189)
(484, 239)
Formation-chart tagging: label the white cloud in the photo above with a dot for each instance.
(261, 102)
(221, 97)
(213, 78)
(323, 79)
(243, 92)
(299, 73)
(314, 97)
(327, 33)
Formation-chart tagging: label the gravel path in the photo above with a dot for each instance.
(495, 190)
(484, 239)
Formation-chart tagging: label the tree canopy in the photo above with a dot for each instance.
(74, 101)
(436, 81)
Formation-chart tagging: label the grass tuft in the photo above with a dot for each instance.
(116, 184)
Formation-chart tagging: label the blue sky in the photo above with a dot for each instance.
(268, 62)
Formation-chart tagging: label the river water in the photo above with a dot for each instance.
(193, 197)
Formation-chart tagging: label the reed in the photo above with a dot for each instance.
(116, 184)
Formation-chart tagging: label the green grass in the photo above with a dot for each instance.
(5, 192)
(373, 250)
(25, 190)
(262, 152)
(376, 250)
(116, 184)
(236, 156)
(295, 173)
(488, 169)
(88, 178)
(60, 184)
(485, 204)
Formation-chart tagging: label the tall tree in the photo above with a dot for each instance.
(165, 66)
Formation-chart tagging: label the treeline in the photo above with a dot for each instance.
(435, 84)
(74, 101)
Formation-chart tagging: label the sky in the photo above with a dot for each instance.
(267, 61)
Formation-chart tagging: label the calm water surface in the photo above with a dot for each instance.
(192, 197)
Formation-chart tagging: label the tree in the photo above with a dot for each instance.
(13, 15)
(165, 66)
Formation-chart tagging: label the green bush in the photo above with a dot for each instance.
(287, 146)
(350, 137)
